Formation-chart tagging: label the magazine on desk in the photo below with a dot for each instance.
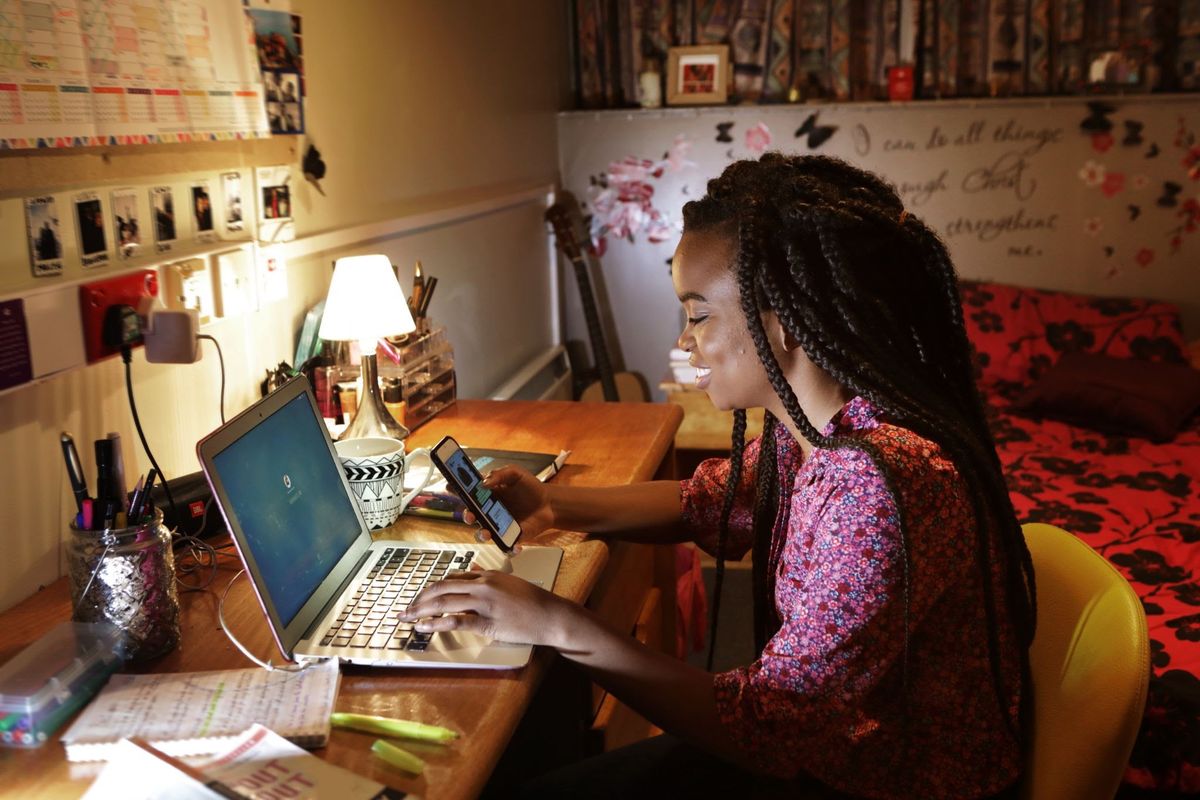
(261, 765)
(438, 501)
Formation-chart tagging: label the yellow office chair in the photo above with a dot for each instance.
(1091, 666)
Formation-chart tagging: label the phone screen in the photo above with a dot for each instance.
(465, 478)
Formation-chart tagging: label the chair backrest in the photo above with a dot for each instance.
(1091, 666)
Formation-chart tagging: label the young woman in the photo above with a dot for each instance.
(894, 595)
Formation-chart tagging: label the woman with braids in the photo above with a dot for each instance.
(894, 595)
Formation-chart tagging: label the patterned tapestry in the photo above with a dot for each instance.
(784, 50)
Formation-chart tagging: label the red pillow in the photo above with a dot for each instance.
(1126, 396)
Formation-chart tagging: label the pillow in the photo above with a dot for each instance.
(1117, 395)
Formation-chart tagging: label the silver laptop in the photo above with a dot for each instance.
(326, 588)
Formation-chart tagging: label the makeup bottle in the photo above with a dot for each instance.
(393, 399)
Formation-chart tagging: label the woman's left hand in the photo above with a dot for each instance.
(494, 604)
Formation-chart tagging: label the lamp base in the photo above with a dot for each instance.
(372, 417)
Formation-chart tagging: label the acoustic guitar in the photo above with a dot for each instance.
(618, 387)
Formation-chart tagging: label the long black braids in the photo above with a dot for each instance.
(870, 294)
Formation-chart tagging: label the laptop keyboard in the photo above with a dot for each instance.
(370, 617)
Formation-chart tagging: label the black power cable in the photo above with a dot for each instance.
(221, 358)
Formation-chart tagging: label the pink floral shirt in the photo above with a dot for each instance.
(825, 697)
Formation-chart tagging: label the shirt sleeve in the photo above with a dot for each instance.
(841, 633)
(703, 496)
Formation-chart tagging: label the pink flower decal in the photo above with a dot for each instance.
(1092, 226)
(1191, 163)
(1113, 183)
(622, 198)
(1101, 142)
(758, 137)
(1092, 174)
(1144, 257)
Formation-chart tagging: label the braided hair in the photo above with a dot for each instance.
(870, 294)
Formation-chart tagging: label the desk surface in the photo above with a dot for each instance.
(610, 443)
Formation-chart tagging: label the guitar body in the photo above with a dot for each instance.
(631, 388)
(618, 387)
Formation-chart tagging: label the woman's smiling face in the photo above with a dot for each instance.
(728, 366)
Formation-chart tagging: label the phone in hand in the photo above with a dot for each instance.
(464, 479)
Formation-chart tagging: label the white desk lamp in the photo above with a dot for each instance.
(365, 303)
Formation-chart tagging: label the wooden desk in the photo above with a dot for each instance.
(610, 443)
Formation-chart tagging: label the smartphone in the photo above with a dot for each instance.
(464, 480)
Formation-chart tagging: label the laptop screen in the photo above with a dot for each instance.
(290, 501)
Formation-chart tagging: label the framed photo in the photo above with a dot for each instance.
(274, 201)
(231, 195)
(162, 208)
(126, 227)
(89, 216)
(697, 75)
(1117, 70)
(45, 238)
(202, 212)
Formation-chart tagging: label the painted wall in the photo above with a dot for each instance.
(415, 106)
(1021, 191)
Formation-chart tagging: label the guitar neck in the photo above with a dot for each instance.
(595, 331)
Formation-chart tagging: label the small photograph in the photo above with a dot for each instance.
(292, 120)
(275, 222)
(697, 74)
(45, 237)
(289, 87)
(162, 205)
(126, 228)
(231, 195)
(277, 202)
(89, 217)
(275, 117)
(275, 39)
(271, 86)
(202, 213)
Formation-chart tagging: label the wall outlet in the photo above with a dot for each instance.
(189, 287)
(97, 297)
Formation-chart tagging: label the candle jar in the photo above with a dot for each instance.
(126, 577)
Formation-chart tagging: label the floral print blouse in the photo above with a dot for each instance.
(826, 697)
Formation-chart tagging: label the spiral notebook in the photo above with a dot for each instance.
(196, 713)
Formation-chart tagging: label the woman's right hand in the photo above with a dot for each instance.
(525, 496)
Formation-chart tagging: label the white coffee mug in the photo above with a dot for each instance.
(375, 467)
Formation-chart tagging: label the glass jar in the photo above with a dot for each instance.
(126, 577)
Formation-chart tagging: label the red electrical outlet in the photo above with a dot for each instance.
(96, 298)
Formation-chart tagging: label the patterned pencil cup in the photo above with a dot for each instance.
(126, 577)
(375, 468)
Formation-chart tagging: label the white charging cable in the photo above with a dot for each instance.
(268, 665)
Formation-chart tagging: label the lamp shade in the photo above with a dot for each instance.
(365, 301)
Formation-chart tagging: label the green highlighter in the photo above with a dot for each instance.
(387, 726)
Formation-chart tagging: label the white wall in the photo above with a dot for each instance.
(960, 165)
(414, 106)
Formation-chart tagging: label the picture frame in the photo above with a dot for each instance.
(1112, 70)
(698, 75)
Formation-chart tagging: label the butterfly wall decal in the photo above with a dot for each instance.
(1109, 250)
(1133, 133)
(1153, 151)
(1169, 198)
(723, 132)
(1097, 120)
(1134, 212)
(817, 134)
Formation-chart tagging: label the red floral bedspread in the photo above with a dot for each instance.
(1132, 500)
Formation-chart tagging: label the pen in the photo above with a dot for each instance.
(144, 500)
(118, 470)
(104, 470)
(414, 301)
(135, 497)
(74, 469)
(88, 513)
(427, 295)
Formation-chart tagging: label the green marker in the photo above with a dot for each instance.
(9, 722)
(398, 757)
(388, 726)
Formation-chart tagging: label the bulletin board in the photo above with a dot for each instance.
(77, 73)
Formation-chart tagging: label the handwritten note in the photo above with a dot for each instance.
(193, 713)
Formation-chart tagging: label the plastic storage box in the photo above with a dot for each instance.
(50, 679)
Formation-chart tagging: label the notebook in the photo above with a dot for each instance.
(194, 713)
(327, 589)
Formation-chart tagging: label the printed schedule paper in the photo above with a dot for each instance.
(196, 713)
(93, 72)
